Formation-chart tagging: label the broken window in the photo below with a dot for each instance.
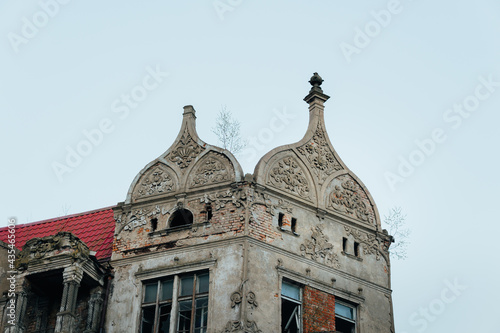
(291, 308)
(345, 317)
(344, 244)
(176, 304)
(181, 217)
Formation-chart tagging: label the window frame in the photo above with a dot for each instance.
(300, 302)
(175, 300)
(354, 308)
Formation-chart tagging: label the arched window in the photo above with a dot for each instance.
(180, 218)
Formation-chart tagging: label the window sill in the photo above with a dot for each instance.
(168, 231)
(352, 256)
(293, 233)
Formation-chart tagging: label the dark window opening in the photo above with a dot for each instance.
(356, 249)
(343, 326)
(208, 208)
(344, 244)
(291, 301)
(181, 217)
(290, 320)
(294, 225)
(280, 220)
(154, 224)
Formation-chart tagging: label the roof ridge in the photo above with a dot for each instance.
(63, 217)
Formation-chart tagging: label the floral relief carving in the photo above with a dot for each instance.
(244, 325)
(349, 199)
(220, 199)
(288, 175)
(185, 151)
(319, 249)
(155, 181)
(237, 326)
(371, 245)
(319, 154)
(212, 170)
(139, 217)
(284, 205)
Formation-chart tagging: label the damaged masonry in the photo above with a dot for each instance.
(197, 246)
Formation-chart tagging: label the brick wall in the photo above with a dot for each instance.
(226, 221)
(319, 311)
(261, 225)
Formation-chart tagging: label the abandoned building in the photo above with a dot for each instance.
(197, 246)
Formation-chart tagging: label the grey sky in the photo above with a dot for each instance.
(418, 71)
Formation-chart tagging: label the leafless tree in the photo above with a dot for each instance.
(395, 222)
(227, 130)
(65, 209)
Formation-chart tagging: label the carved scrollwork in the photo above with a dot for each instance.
(284, 205)
(349, 199)
(212, 170)
(40, 248)
(139, 217)
(288, 175)
(371, 245)
(244, 325)
(185, 151)
(236, 326)
(236, 298)
(319, 249)
(156, 181)
(252, 299)
(319, 154)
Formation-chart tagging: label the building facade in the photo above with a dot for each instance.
(198, 246)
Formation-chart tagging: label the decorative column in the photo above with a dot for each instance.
(94, 312)
(20, 305)
(72, 276)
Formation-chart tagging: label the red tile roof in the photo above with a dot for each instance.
(95, 228)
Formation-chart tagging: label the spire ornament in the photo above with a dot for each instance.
(316, 92)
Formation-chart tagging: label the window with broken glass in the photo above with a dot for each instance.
(176, 304)
(291, 308)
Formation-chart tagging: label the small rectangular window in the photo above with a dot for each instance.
(356, 249)
(344, 244)
(280, 220)
(294, 225)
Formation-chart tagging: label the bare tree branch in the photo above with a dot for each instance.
(227, 130)
(395, 222)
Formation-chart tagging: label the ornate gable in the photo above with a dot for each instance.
(188, 163)
(311, 169)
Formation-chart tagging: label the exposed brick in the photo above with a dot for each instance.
(319, 311)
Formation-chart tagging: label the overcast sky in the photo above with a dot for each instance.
(415, 89)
